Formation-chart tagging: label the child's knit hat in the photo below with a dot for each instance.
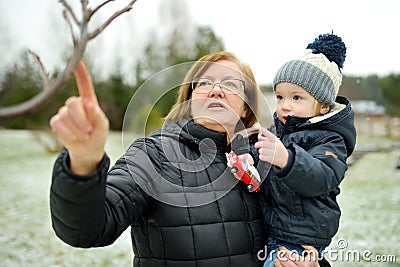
(319, 70)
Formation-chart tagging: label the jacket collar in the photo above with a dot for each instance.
(341, 120)
(196, 133)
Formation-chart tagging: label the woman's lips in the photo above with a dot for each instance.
(216, 105)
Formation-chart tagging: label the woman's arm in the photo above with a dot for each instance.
(88, 206)
(95, 209)
(82, 126)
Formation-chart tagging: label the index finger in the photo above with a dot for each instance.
(267, 134)
(84, 82)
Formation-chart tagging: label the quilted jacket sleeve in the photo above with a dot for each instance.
(94, 210)
(318, 170)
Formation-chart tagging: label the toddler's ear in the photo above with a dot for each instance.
(324, 109)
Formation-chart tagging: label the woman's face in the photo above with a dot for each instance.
(218, 109)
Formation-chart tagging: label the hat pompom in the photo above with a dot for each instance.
(331, 46)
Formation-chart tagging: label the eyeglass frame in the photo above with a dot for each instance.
(195, 81)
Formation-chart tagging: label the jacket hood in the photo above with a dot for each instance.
(340, 120)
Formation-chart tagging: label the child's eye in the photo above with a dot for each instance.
(296, 97)
(279, 97)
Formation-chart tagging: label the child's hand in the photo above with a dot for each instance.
(242, 169)
(271, 149)
(244, 158)
(247, 157)
(287, 258)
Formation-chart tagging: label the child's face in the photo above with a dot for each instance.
(293, 100)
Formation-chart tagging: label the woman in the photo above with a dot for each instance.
(199, 224)
(172, 187)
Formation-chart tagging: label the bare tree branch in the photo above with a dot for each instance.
(80, 44)
(74, 38)
(45, 75)
(85, 11)
(100, 6)
(40, 99)
(96, 32)
(68, 9)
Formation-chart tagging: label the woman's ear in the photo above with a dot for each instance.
(324, 109)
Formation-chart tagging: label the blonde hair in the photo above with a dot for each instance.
(181, 109)
(318, 106)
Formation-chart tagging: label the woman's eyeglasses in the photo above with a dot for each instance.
(228, 86)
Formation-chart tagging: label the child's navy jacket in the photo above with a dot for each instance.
(299, 201)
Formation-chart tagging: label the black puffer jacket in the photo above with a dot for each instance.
(299, 201)
(188, 210)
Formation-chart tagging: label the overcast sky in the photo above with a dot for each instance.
(263, 33)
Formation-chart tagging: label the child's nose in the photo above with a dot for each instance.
(286, 105)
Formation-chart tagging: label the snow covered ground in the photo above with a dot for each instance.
(26, 236)
(369, 230)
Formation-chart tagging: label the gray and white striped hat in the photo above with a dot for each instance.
(318, 71)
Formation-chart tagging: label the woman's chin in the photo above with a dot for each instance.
(216, 123)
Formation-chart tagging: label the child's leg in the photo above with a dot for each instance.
(272, 248)
(269, 262)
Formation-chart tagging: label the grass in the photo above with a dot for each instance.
(370, 203)
(26, 236)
